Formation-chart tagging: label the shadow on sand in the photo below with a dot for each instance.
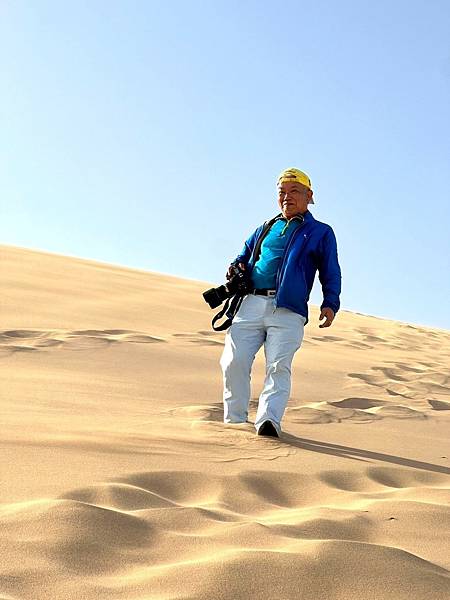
(358, 453)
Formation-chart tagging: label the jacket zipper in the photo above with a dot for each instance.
(283, 261)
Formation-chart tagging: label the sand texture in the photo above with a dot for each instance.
(119, 480)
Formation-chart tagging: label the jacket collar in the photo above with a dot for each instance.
(307, 216)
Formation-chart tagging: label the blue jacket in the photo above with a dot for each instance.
(311, 247)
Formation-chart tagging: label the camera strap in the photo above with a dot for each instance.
(230, 309)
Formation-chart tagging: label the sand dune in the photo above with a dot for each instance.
(119, 479)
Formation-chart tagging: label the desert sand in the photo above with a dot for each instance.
(119, 479)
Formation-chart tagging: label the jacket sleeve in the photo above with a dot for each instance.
(246, 252)
(329, 271)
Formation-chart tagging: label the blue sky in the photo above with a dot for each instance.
(150, 135)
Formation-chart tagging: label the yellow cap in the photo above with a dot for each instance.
(293, 174)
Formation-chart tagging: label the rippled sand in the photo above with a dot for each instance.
(120, 481)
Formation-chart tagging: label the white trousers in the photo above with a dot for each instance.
(281, 330)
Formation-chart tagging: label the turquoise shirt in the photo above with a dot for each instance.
(264, 272)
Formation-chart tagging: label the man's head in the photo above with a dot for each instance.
(294, 192)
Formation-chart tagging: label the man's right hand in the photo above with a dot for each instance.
(230, 270)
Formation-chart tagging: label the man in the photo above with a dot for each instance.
(281, 257)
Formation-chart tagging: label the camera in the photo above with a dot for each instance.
(238, 284)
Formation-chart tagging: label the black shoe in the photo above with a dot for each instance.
(268, 429)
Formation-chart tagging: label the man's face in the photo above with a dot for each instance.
(293, 198)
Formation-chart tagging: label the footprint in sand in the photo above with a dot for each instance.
(396, 374)
(309, 415)
(199, 412)
(359, 345)
(213, 333)
(405, 367)
(19, 333)
(361, 403)
(141, 338)
(18, 348)
(117, 335)
(439, 404)
(413, 383)
(329, 412)
(202, 338)
(398, 412)
(26, 340)
(353, 410)
(328, 338)
(31, 340)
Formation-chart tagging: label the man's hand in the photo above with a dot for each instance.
(327, 313)
(230, 270)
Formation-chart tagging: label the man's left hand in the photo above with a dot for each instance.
(328, 314)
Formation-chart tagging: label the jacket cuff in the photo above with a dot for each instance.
(331, 305)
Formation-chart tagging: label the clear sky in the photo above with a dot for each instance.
(150, 134)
